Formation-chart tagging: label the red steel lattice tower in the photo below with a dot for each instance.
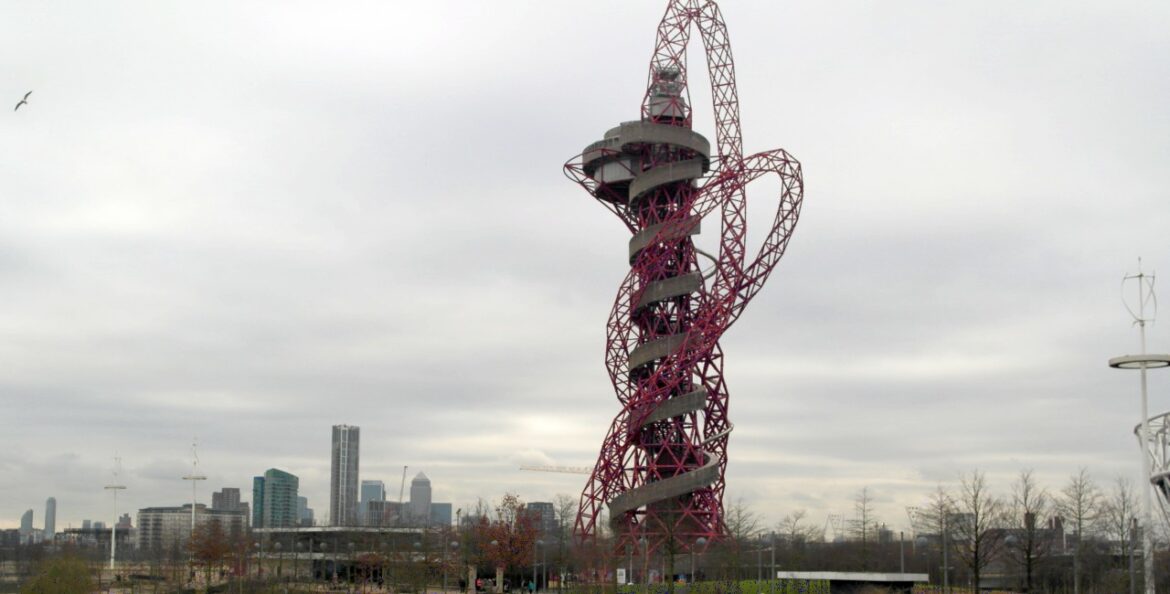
(661, 469)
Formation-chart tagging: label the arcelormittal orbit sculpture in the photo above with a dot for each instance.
(661, 468)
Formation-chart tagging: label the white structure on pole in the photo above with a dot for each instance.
(114, 488)
(194, 477)
(1142, 362)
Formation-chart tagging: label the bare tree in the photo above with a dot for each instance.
(1118, 513)
(1028, 544)
(863, 526)
(795, 529)
(980, 513)
(932, 518)
(565, 507)
(743, 524)
(795, 532)
(1080, 503)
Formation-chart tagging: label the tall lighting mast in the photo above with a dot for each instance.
(114, 488)
(194, 477)
(1142, 362)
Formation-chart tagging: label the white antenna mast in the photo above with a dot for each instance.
(1142, 362)
(194, 477)
(114, 487)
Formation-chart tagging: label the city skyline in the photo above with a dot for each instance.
(254, 266)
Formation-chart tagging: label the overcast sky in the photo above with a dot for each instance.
(248, 222)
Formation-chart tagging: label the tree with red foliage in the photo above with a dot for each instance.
(508, 540)
(209, 546)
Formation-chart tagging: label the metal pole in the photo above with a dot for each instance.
(759, 565)
(946, 569)
(646, 560)
(114, 535)
(114, 529)
(1147, 533)
(629, 564)
(772, 576)
(1132, 542)
(902, 549)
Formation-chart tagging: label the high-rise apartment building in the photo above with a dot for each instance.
(343, 478)
(370, 491)
(304, 512)
(50, 518)
(274, 500)
(544, 516)
(383, 513)
(227, 498)
(420, 499)
(169, 528)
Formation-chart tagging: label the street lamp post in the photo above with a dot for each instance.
(259, 556)
(499, 572)
(332, 546)
(629, 564)
(772, 576)
(699, 542)
(453, 544)
(539, 543)
(760, 563)
(324, 566)
(902, 550)
(279, 561)
(946, 544)
(645, 559)
(297, 561)
(349, 564)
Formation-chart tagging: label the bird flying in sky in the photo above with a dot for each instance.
(23, 101)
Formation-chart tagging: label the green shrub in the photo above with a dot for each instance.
(60, 575)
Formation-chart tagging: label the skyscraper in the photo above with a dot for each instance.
(257, 502)
(26, 528)
(274, 500)
(304, 512)
(50, 518)
(371, 491)
(420, 499)
(343, 479)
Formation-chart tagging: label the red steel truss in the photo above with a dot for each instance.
(660, 472)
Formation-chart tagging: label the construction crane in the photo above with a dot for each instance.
(564, 469)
